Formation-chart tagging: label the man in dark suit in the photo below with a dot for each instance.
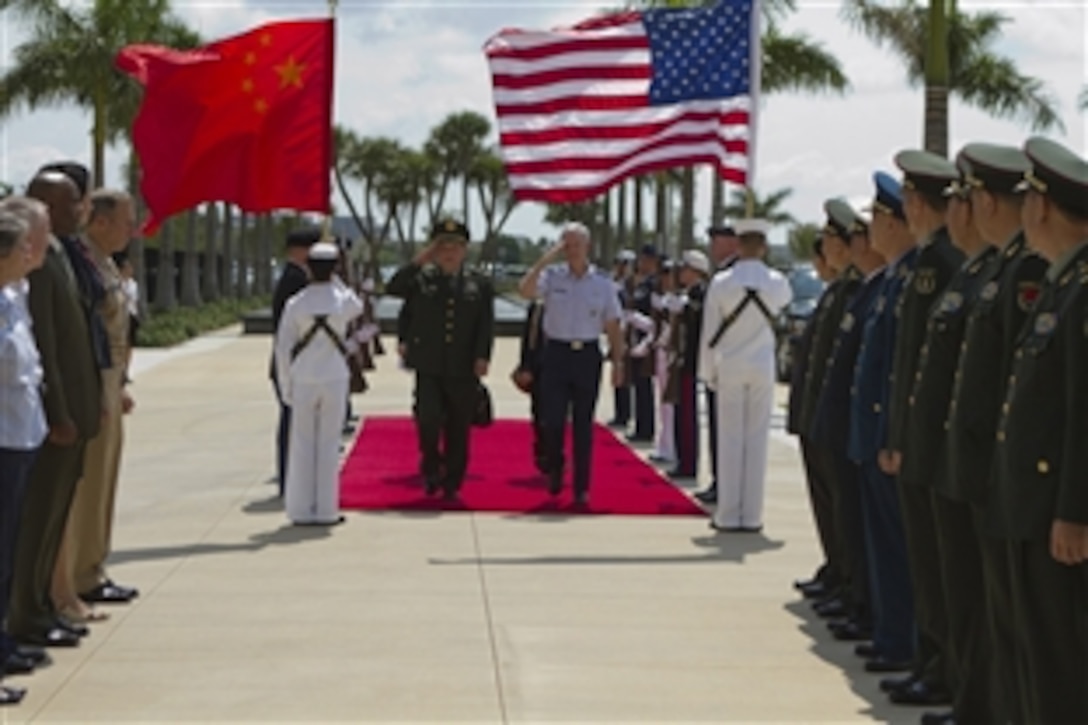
(293, 279)
(527, 378)
(449, 336)
(73, 407)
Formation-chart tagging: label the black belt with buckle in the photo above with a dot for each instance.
(574, 344)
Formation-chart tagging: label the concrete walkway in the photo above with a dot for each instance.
(427, 617)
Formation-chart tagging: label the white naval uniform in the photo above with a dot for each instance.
(740, 369)
(315, 385)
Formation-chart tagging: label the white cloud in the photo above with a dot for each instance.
(403, 65)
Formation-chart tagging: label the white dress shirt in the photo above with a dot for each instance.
(320, 361)
(22, 414)
(749, 343)
(576, 308)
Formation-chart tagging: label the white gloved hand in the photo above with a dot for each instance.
(641, 322)
(642, 348)
(663, 336)
(366, 333)
(657, 301)
(678, 303)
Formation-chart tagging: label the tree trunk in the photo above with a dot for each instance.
(98, 135)
(262, 249)
(241, 284)
(607, 253)
(687, 209)
(227, 280)
(190, 268)
(210, 276)
(937, 78)
(465, 186)
(165, 293)
(638, 213)
(661, 208)
(717, 200)
(621, 216)
(136, 246)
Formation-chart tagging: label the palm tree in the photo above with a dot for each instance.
(69, 60)
(963, 64)
(802, 240)
(454, 145)
(747, 203)
(496, 198)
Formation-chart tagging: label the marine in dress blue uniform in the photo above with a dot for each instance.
(888, 568)
(641, 372)
(580, 305)
(1039, 504)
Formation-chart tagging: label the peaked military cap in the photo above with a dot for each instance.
(450, 230)
(723, 230)
(840, 218)
(305, 237)
(889, 195)
(999, 169)
(1057, 173)
(925, 172)
(863, 213)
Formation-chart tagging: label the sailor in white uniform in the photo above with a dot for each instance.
(313, 374)
(736, 360)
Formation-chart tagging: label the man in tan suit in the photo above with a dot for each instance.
(81, 566)
(73, 409)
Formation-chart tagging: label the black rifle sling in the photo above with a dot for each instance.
(751, 296)
(321, 322)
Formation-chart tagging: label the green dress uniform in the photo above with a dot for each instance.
(450, 325)
(980, 625)
(819, 466)
(938, 261)
(1041, 462)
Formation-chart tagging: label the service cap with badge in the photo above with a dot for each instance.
(993, 168)
(841, 218)
(450, 230)
(889, 196)
(925, 172)
(1058, 174)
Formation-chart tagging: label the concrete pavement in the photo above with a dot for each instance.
(420, 617)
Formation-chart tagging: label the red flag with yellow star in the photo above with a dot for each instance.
(245, 120)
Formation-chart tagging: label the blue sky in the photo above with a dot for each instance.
(402, 66)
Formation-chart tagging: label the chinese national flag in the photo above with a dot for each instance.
(246, 120)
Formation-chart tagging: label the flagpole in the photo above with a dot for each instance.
(326, 231)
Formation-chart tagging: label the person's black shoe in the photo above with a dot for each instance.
(55, 637)
(677, 473)
(830, 608)
(37, 655)
(109, 593)
(708, 496)
(939, 718)
(868, 651)
(16, 665)
(893, 684)
(850, 631)
(881, 663)
(920, 693)
(431, 485)
(813, 590)
(620, 424)
(581, 499)
(640, 439)
(11, 695)
(80, 630)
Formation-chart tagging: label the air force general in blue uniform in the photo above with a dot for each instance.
(580, 304)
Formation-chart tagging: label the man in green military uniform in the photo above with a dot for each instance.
(448, 339)
(925, 177)
(924, 459)
(1008, 287)
(835, 239)
(1039, 504)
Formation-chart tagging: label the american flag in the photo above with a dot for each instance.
(582, 108)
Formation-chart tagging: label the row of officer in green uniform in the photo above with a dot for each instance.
(957, 513)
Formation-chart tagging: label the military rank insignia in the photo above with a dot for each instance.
(1026, 294)
(951, 303)
(1045, 323)
(925, 281)
(989, 292)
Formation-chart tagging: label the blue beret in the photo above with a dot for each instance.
(889, 195)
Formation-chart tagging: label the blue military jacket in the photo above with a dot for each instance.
(873, 370)
(831, 417)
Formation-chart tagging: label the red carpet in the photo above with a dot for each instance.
(382, 472)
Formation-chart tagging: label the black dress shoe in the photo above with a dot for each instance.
(640, 439)
(830, 608)
(867, 650)
(555, 481)
(708, 497)
(675, 473)
(813, 590)
(581, 498)
(621, 424)
(892, 684)
(79, 630)
(16, 665)
(920, 693)
(881, 663)
(109, 593)
(55, 637)
(939, 718)
(37, 655)
(852, 632)
(802, 584)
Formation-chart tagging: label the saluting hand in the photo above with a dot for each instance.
(426, 254)
(1069, 542)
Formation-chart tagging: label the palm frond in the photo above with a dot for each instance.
(994, 85)
(898, 27)
(795, 63)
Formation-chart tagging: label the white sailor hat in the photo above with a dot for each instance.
(696, 260)
(752, 226)
(625, 255)
(324, 251)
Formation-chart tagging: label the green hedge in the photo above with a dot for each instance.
(165, 329)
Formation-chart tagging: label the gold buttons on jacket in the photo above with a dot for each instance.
(1043, 466)
(876, 407)
(1001, 436)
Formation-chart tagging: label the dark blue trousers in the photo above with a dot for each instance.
(283, 432)
(14, 474)
(621, 405)
(570, 380)
(889, 566)
(712, 427)
(850, 534)
(644, 408)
